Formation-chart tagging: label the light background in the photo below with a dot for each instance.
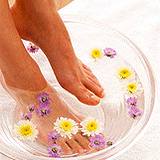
(140, 21)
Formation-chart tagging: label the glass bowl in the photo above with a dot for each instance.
(120, 129)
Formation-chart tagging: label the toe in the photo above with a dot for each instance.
(87, 97)
(83, 94)
(76, 148)
(91, 76)
(93, 87)
(83, 141)
(66, 149)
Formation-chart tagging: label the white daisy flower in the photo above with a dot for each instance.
(66, 127)
(133, 87)
(125, 73)
(25, 130)
(91, 126)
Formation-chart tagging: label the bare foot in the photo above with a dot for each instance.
(44, 121)
(40, 23)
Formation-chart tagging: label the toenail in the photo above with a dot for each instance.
(94, 97)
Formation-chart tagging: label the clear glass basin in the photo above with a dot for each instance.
(120, 129)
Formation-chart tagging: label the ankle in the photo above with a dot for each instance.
(24, 76)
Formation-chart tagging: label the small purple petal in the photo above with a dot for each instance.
(109, 52)
(43, 110)
(43, 99)
(98, 141)
(53, 137)
(26, 116)
(132, 101)
(32, 48)
(32, 108)
(134, 111)
(54, 151)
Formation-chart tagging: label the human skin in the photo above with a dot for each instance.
(40, 23)
(24, 81)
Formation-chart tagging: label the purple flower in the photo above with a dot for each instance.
(43, 99)
(26, 116)
(109, 52)
(54, 151)
(32, 48)
(43, 110)
(31, 108)
(134, 111)
(132, 101)
(97, 141)
(53, 137)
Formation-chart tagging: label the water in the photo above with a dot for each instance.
(119, 127)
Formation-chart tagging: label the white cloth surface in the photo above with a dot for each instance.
(140, 21)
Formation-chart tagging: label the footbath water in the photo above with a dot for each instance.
(120, 129)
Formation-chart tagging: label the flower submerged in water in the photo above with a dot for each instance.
(91, 127)
(125, 73)
(32, 48)
(66, 127)
(54, 151)
(134, 87)
(43, 99)
(109, 52)
(31, 108)
(132, 101)
(96, 53)
(134, 111)
(43, 110)
(97, 141)
(26, 116)
(25, 130)
(53, 137)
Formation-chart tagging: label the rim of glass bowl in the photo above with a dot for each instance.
(130, 138)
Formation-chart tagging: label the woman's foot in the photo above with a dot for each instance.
(45, 120)
(40, 23)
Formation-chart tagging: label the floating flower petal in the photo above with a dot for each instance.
(26, 116)
(96, 53)
(53, 137)
(109, 52)
(66, 127)
(132, 101)
(32, 48)
(97, 141)
(125, 73)
(134, 112)
(91, 127)
(55, 151)
(43, 99)
(25, 130)
(31, 108)
(43, 110)
(134, 87)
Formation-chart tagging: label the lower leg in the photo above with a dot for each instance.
(40, 23)
(20, 71)
(15, 63)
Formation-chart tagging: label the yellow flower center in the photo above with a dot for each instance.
(124, 73)
(26, 130)
(132, 87)
(92, 126)
(96, 53)
(66, 126)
